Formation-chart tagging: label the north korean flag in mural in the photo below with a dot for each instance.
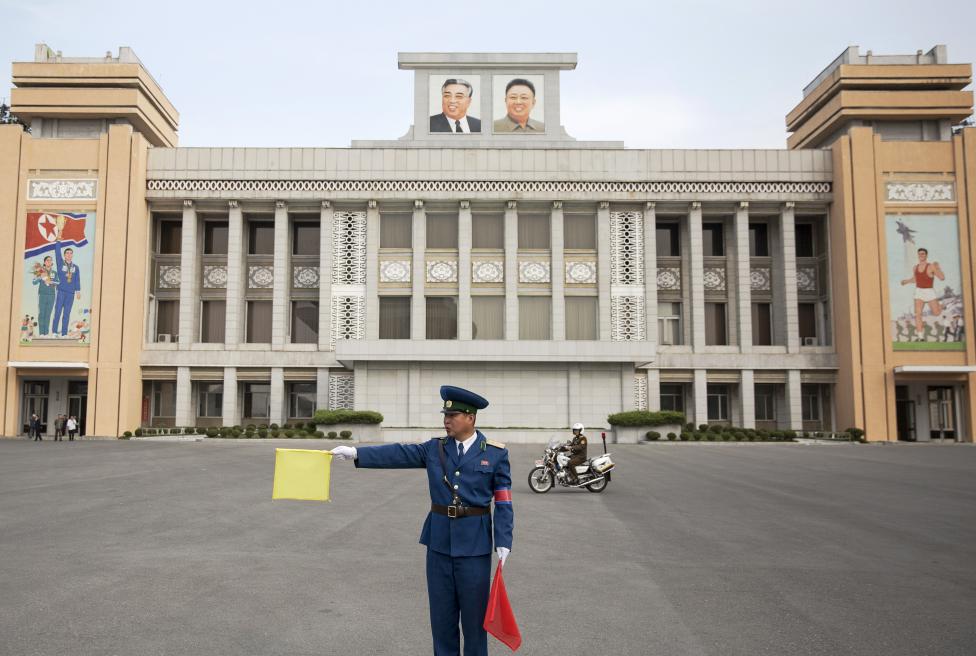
(43, 229)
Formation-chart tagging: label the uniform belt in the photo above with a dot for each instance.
(458, 511)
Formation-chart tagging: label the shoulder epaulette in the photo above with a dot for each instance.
(495, 443)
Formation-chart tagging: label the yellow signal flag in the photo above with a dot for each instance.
(302, 474)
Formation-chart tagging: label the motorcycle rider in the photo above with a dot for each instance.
(576, 449)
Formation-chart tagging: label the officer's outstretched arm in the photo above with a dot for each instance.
(504, 513)
(393, 456)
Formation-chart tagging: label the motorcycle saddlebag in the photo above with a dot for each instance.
(602, 464)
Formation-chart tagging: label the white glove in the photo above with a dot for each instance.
(344, 453)
(502, 554)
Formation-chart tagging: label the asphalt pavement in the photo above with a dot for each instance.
(145, 548)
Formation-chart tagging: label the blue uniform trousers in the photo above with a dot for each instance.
(62, 311)
(458, 587)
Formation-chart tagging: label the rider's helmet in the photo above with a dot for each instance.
(577, 428)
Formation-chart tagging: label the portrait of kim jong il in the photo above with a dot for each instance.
(453, 100)
(517, 101)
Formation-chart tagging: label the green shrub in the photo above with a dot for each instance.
(212, 432)
(789, 435)
(290, 433)
(703, 427)
(857, 435)
(262, 426)
(201, 430)
(126, 435)
(673, 436)
(137, 432)
(311, 427)
(250, 427)
(695, 436)
(275, 427)
(684, 436)
(319, 435)
(715, 428)
(653, 435)
(690, 427)
(275, 432)
(263, 433)
(709, 436)
(333, 435)
(333, 417)
(346, 435)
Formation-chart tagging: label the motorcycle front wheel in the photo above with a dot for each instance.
(540, 480)
(597, 486)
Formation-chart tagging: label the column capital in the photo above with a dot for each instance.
(233, 204)
(744, 205)
(187, 203)
(464, 204)
(371, 204)
(650, 205)
(512, 205)
(604, 205)
(789, 205)
(557, 204)
(418, 204)
(695, 204)
(281, 205)
(326, 204)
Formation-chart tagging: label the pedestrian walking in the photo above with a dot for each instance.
(34, 428)
(58, 428)
(72, 426)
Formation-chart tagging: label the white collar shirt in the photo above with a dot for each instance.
(465, 128)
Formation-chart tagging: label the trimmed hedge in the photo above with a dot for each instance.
(332, 417)
(645, 418)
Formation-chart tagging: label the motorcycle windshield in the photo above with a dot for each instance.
(554, 442)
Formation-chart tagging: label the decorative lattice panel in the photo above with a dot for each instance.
(442, 271)
(349, 248)
(342, 392)
(626, 248)
(714, 279)
(534, 272)
(581, 273)
(806, 279)
(761, 279)
(305, 277)
(488, 271)
(669, 279)
(627, 318)
(260, 276)
(640, 392)
(348, 318)
(395, 271)
(168, 276)
(214, 276)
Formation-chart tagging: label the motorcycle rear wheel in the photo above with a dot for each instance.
(597, 486)
(540, 480)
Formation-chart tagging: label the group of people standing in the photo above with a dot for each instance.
(63, 425)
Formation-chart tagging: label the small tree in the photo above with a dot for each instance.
(6, 118)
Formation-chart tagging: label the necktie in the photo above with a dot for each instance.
(460, 450)
(457, 126)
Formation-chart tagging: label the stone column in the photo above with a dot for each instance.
(701, 397)
(278, 410)
(464, 270)
(511, 271)
(185, 415)
(654, 390)
(282, 277)
(603, 247)
(650, 282)
(743, 279)
(189, 278)
(627, 387)
(697, 281)
(794, 403)
(557, 271)
(747, 397)
(418, 304)
(788, 258)
(322, 388)
(235, 274)
(229, 411)
(574, 392)
(326, 223)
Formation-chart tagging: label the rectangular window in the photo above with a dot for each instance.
(210, 400)
(810, 402)
(718, 402)
(167, 321)
(442, 231)
(305, 239)
(163, 398)
(579, 231)
(257, 400)
(394, 317)
(765, 402)
(170, 237)
(582, 317)
(441, 317)
(805, 243)
(488, 231)
(488, 317)
(807, 315)
(668, 240)
(258, 328)
(535, 317)
(301, 400)
(673, 397)
(396, 230)
(533, 231)
(212, 314)
(762, 324)
(260, 238)
(669, 326)
(715, 325)
(304, 322)
(713, 239)
(758, 240)
(215, 237)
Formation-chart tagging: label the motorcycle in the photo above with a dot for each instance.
(593, 474)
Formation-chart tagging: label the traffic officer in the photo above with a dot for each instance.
(465, 473)
(577, 453)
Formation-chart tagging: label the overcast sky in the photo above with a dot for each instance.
(705, 74)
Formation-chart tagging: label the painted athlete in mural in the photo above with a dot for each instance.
(925, 283)
(56, 293)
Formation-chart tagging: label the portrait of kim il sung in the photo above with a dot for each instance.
(451, 100)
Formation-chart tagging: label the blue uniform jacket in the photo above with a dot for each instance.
(482, 476)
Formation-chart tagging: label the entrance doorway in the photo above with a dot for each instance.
(905, 414)
(35, 403)
(942, 413)
(78, 403)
